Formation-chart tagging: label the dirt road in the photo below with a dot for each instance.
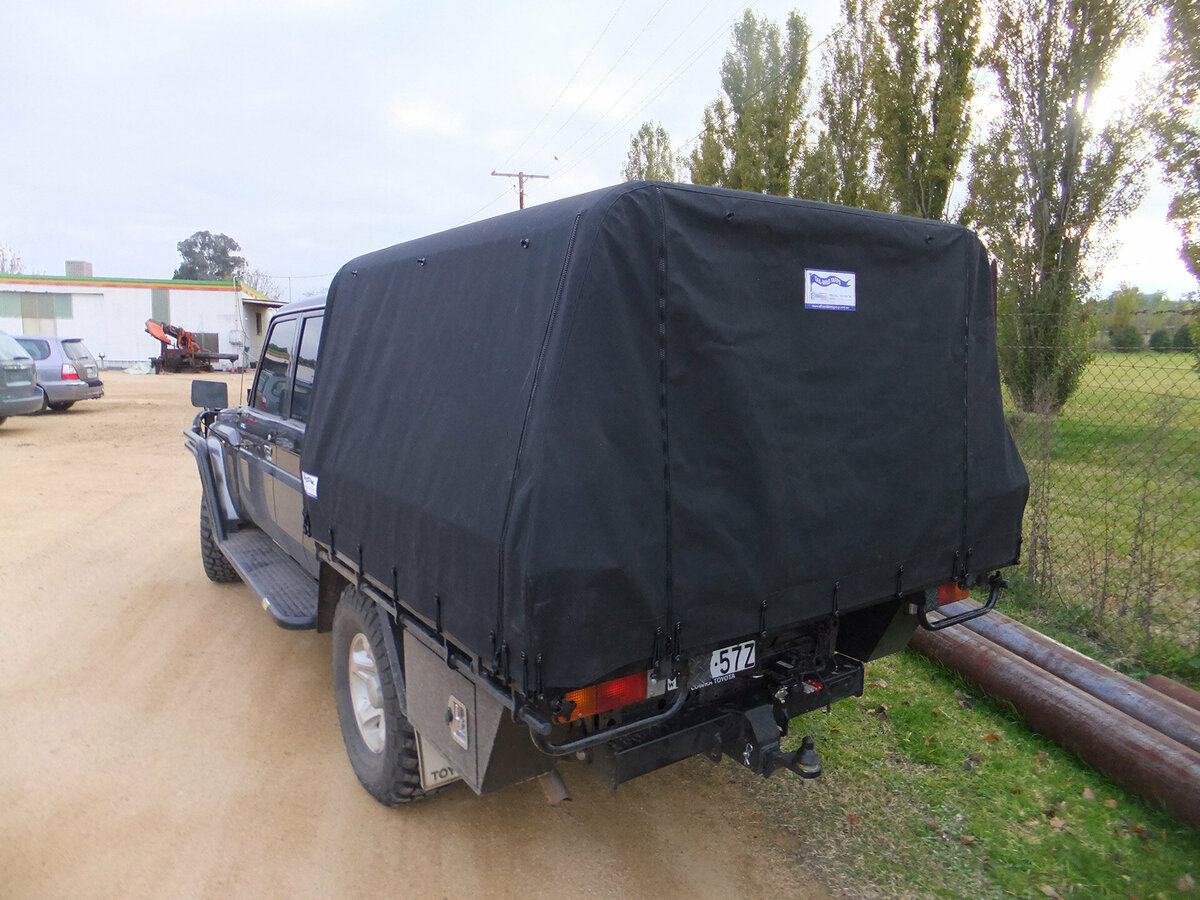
(161, 737)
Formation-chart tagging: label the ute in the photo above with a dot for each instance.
(624, 478)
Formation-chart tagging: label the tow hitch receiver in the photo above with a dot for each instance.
(761, 753)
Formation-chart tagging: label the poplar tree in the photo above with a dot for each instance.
(650, 156)
(754, 133)
(842, 165)
(920, 75)
(1047, 183)
(1177, 125)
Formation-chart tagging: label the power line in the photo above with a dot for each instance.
(600, 83)
(657, 91)
(504, 193)
(638, 80)
(570, 81)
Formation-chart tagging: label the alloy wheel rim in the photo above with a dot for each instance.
(366, 694)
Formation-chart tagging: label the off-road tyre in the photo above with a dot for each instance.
(392, 775)
(60, 405)
(216, 566)
(3, 419)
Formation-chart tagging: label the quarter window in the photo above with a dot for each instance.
(306, 367)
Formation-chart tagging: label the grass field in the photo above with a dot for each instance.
(932, 790)
(1121, 532)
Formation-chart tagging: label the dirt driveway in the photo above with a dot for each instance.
(161, 737)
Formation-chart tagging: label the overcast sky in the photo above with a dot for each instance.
(314, 130)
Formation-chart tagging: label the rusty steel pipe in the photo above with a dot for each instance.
(1175, 690)
(1131, 753)
(1162, 713)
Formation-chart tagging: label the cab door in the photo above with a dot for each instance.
(289, 442)
(260, 422)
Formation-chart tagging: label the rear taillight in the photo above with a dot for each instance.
(608, 695)
(69, 373)
(951, 593)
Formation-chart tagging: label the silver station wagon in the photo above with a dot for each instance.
(66, 370)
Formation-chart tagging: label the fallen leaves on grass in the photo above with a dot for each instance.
(1051, 892)
(991, 737)
(853, 819)
(1056, 822)
(966, 839)
(1088, 795)
(1111, 803)
(1186, 883)
(972, 761)
(880, 712)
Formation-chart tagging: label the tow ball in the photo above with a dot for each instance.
(761, 753)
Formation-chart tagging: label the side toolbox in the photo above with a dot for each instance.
(465, 723)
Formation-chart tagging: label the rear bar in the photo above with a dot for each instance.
(718, 730)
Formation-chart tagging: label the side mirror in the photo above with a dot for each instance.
(210, 394)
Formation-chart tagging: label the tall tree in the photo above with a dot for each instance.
(260, 281)
(1177, 126)
(753, 135)
(650, 155)
(922, 81)
(10, 261)
(840, 165)
(209, 257)
(1124, 302)
(1048, 182)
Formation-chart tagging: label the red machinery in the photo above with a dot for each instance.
(181, 350)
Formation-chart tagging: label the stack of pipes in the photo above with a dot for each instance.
(1144, 739)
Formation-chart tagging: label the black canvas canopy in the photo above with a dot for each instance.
(658, 404)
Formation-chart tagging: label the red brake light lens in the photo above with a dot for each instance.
(608, 695)
(68, 372)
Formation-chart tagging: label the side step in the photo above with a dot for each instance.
(287, 592)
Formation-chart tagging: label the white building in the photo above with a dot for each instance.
(110, 313)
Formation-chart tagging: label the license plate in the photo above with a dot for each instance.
(728, 661)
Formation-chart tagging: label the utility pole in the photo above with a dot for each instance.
(520, 176)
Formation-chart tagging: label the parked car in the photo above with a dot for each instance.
(18, 380)
(66, 370)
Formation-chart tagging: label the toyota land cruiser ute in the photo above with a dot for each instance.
(629, 477)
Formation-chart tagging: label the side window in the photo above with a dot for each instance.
(39, 350)
(306, 367)
(270, 385)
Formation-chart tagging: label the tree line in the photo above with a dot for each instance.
(894, 124)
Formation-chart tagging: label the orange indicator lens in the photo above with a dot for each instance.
(951, 593)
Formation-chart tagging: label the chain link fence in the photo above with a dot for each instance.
(1112, 531)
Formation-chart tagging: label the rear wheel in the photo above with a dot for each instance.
(380, 742)
(60, 405)
(3, 419)
(216, 566)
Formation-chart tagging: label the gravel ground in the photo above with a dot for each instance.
(161, 737)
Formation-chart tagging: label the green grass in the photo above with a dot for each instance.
(932, 790)
(1124, 507)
